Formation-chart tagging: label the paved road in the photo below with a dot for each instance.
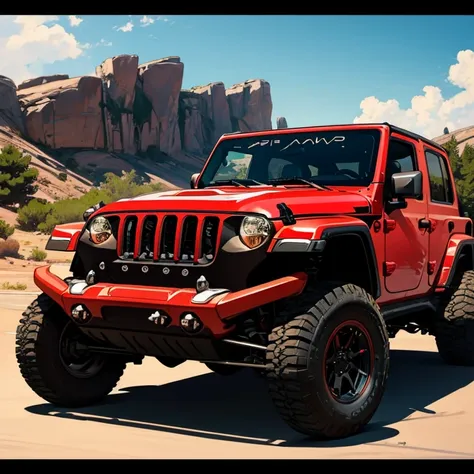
(188, 412)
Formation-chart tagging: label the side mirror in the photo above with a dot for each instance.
(407, 184)
(193, 180)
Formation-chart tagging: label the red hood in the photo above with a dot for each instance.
(262, 200)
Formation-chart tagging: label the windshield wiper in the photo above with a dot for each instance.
(244, 182)
(295, 180)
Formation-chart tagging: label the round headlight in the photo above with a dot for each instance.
(254, 231)
(100, 230)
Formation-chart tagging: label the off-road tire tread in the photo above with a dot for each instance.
(454, 331)
(288, 350)
(34, 318)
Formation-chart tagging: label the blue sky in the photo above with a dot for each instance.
(320, 67)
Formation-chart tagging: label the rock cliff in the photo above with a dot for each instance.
(133, 108)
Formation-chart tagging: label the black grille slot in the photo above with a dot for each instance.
(148, 238)
(114, 223)
(209, 238)
(168, 237)
(188, 239)
(129, 237)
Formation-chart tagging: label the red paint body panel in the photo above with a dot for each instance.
(263, 200)
(68, 232)
(411, 261)
(449, 256)
(175, 301)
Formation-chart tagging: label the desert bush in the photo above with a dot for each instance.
(13, 286)
(38, 255)
(34, 213)
(45, 217)
(9, 248)
(62, 176)
(6, 230)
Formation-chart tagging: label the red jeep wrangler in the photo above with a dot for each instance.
(297, 252)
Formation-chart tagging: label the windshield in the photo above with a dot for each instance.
(332, 158)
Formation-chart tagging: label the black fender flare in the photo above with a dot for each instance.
(462, 246)
(362, 232)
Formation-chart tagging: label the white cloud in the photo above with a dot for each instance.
(28, 42)
(146, 21)
(103, 42)
(126, 28)
(74, 20)
(431, 112)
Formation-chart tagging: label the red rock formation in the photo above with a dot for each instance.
(205, 117)
(119, 75)
(160, 82)
(281, 122)
(10, 112)
(194, 125)
(65, 114)
(134, 109)
(37, 81)
(250, 105)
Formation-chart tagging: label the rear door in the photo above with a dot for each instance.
(443, 209)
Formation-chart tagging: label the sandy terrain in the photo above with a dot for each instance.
(187, 412)
(14, 270)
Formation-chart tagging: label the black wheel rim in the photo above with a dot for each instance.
(348, 362)
(75, 357)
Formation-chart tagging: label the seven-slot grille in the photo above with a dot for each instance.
(169, 237)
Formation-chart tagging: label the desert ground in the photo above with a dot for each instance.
(189, 413)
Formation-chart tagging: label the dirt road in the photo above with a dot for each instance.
(187, 412)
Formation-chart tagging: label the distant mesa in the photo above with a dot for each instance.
(133, 108)
(281, 122)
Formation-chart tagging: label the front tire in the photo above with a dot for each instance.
(455, 330)
(327, 367)
(43, 350)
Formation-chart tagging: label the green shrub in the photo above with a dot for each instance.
(32, 215)
(45, 217)
(6, 230)
(62, 176)
(38, 255)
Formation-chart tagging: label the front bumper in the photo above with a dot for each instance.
(215, 313)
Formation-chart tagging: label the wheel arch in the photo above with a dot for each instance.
(323, 237)
(356, 233)
(458, 258)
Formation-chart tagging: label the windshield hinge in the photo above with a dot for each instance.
(286, 214)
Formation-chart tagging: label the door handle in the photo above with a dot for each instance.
(424, 224)
(427, 224)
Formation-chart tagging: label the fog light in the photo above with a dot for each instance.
(160, 319)
(202, 284)
(90, 277)
(191, 323)
(81, 314)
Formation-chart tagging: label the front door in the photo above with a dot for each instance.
(406, 243)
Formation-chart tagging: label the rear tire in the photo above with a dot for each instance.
(305, 371)
(43, 342)
(455, 330)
